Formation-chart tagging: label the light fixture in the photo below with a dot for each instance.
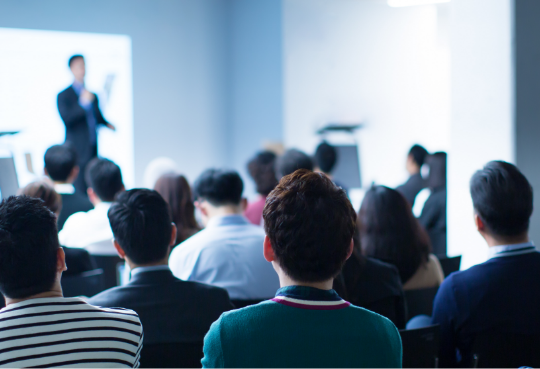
(401, 3)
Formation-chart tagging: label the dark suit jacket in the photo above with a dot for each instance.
(501, 295)
(374, 285)
(71, 204)
(78, 261)
(412, 187)
(433, 219)
(171, 310)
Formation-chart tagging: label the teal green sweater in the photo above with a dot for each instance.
(302, 327)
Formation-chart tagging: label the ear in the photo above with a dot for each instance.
(174, 231)
(74, 173)
(350, 251)
(60, 260)
(243, 204)
(46, 171)
(268, 251)
(480, 226)
(200, 205)
(119, 250)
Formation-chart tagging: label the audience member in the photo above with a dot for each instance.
(415, 183)
(433, 216)
(502, 295)
(228, 252)
(261, 170)
(390, 232)
(292, 160)
(61, 167)
(309, 224)
(77, 260)
(92, 228)
(175, 189)
(171, 310)
(41, 328)
(326, 157)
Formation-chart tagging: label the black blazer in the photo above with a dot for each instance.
(433, 219)
(412, 187)
(171, 310)
(71, 204)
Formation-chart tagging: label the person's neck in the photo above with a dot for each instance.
(495, 241)
(56, 291)
(286, 281)
(80, 82)
(224, 211)
(157, 263)
(62, 182)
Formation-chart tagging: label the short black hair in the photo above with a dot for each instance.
(141, 224)
(437, 170)
(418, 154)
(291, 161)
(503, 198)
(72, 59)
(60, 161)
(326, 157)
(28, 247)
(219, 187)
(310, 223)
(261, 169)
(105, 178)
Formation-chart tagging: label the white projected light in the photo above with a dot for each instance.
(401, 3)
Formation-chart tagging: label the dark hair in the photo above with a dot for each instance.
(28, 247)
(141, 224)
(175, 190)
(219, 187)
(291, 161)
(60, 161)
(104, 177)
(503, 198)
(261, 169)
(418, 154)
(326, 157)
(44, 191)
(390, 232)
(310, 223)
(437, 170)
(72, 59)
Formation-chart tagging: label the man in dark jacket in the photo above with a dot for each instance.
(415, 183)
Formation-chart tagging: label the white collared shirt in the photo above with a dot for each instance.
(511, 250)
(64, 188)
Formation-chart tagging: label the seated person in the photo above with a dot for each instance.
(326, 157)
(77, 260)
(41, 328)
(227, 253)
(389, 232)
(61, 166)
(261, 170)
(179, 312)
(309, 223)
(104, 180)
(291, 161)
(415, 183)
(501, 295)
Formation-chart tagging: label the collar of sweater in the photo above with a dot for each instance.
(310, 298)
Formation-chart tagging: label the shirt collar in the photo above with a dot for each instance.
(64, 188)
(511, 250)
(309, 298)
(77, 86)
(148, 269)
(225, 220)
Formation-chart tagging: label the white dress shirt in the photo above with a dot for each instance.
(90, 230)
(228, 253)
(511, 250)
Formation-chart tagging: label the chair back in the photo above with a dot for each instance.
(421, 347)
(450, 265)
(86, 284)
(420, 301)
(109, 265)
(172, 355)
(243, 303)
(505, 350)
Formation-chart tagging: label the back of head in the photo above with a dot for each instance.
(291, 161)
(45, 191)
(219, 187)
(390, 232)
(310, 223)
(28, 247)
(105, 178)
(418, 154)
(261, 169)
(141, 224)
(326, 157)
(503, 198)
(437, 170)
(60, 161)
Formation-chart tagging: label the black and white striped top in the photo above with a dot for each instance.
(52, 332)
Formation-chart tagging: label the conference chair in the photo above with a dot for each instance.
(239, 304)
(450, 265)
(109, 264)
(420, 302)
(172, 355)
(421, 347)
(505, 350)
(86, 284)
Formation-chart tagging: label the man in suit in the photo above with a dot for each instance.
(79, 109)
(61, 166)
(171, 310)
(502, 295)
(415, 183)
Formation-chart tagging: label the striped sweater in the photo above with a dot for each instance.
(54, 332)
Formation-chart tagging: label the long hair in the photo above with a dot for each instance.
(175, 189)
(390, 232)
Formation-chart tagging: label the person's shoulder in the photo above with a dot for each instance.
(365, 317)
(67, 91)
(108, 298)
(260, 311)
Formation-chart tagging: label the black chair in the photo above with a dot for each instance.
(420, 301)
(109, 264)
(450, 265)
(243, 303)
(85, 284)
(505, 350)
(172, 355)
(421, 347)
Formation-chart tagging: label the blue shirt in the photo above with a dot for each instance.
(228, 253)
(88, 107)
